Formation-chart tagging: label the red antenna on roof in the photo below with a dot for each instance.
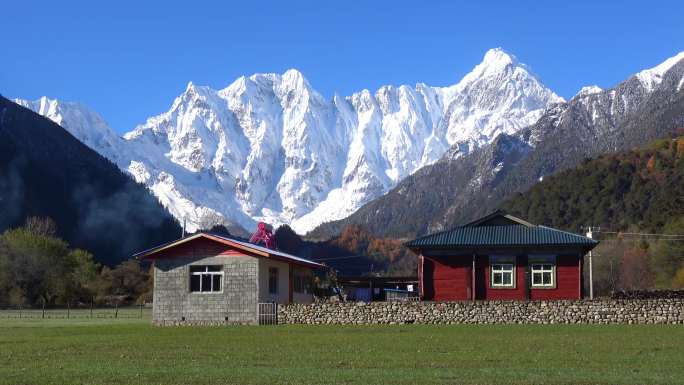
(263, 236)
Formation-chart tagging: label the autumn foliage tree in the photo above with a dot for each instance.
(668, 258)
(635, 272)
(356, 239)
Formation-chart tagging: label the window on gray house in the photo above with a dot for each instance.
(206, 279)
(301, 282)
(273, 280)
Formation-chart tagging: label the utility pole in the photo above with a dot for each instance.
(591, 268)
(183, 234)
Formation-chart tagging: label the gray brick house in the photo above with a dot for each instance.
(211, 279)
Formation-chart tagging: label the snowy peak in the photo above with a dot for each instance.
(80, 121)
(499, 96)
(285, 87)
(652, 77)
(496, 60)
(293, 79)
(497, 65)
(58, 110)
(588, 90)
(503, 70)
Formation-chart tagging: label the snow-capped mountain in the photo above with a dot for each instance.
(82, 122)
(459, 188)
(589, 90)
(270, 147)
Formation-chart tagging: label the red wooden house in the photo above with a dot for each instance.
(501, 257)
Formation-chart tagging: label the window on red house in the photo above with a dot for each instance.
(502, 271)
(502, 274)
(543, 271)
(543, 275)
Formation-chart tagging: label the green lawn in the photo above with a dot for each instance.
(96, 351)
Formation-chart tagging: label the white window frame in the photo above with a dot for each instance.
(545, 260)
(205, 272)
(539, 268)
(502, 268)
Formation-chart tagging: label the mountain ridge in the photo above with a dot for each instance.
(270, 147)
(454, 190)
(47, 172)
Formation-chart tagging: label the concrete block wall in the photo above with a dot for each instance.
(174, 304)
(283, 294)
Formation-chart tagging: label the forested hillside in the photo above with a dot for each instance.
(46, 172)
(641, 188)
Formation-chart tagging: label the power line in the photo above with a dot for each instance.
(337, 258)
(656, 240)
(370, 256)
(643, 234)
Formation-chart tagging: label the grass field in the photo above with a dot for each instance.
(64, 313)
(102, 351)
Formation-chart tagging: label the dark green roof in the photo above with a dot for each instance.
(517, 234)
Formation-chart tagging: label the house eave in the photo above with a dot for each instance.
(150, 254)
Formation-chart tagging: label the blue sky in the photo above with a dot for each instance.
(129, 59)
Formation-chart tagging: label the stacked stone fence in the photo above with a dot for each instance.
(648, 294)
(604, 311)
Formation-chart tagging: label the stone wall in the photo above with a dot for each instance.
(648, 294)
(174, 304)
(660, 311)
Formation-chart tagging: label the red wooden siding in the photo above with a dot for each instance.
(567, 281)
(447, 278)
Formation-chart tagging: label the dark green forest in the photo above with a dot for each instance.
(46, 172)
(642, 188)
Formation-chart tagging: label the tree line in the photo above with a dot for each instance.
(38, 268)
(353, 252)
(624, 262)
